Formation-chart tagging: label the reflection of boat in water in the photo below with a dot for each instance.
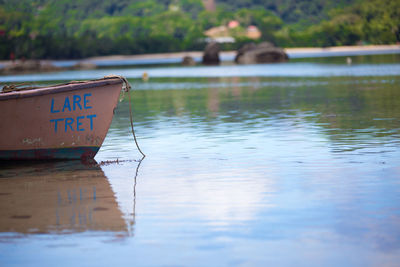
(57, 197)
(68, 121)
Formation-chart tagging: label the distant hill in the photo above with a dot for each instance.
(304, 12)
(84, 28)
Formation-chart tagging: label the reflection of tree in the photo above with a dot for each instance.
(337, 104)
(213, 101)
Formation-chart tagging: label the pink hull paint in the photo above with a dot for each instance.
(61, 122)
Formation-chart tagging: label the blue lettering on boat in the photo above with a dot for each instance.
(77, 102)
(91, 120)
(55, 123)
(66, 105)
(68, 122)
(73, 124)
(69, 104)
(85, 101)
(78, 123)
(52, 110)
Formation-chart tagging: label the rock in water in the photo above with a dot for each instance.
(21, 66)
(262, 53)
(84, 65)
(188, 61)
(211, 54)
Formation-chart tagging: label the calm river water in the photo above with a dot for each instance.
(294, 164)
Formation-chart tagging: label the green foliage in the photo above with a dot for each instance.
(83, 28)
(371, 22)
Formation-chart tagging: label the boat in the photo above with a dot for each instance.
(65, 121)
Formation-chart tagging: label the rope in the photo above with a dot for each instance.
(127, 88)
(16, 87)
(133, 131)
(23, 87)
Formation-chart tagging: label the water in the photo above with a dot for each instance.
(225, 57)
(266, 70)
(241, 170)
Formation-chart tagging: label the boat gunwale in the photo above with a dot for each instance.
(59, 88)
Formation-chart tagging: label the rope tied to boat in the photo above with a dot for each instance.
(16, 87)
(126, 87)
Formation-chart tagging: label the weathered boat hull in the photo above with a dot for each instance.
(62, 122)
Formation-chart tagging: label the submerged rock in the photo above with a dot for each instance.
(29, 66)
(188, 61)
(84, 65)
(211, 54)
(261, 53)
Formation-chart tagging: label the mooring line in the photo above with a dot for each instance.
(133, 131)
(127, 89)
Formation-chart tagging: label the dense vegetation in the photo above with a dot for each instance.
(83, 28)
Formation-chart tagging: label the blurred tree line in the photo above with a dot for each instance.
(83, 28)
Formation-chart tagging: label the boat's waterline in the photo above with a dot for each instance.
(51, 153)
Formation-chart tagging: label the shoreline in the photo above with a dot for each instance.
(355, 48)
(293, 52)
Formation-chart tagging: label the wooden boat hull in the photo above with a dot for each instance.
(62, 122)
